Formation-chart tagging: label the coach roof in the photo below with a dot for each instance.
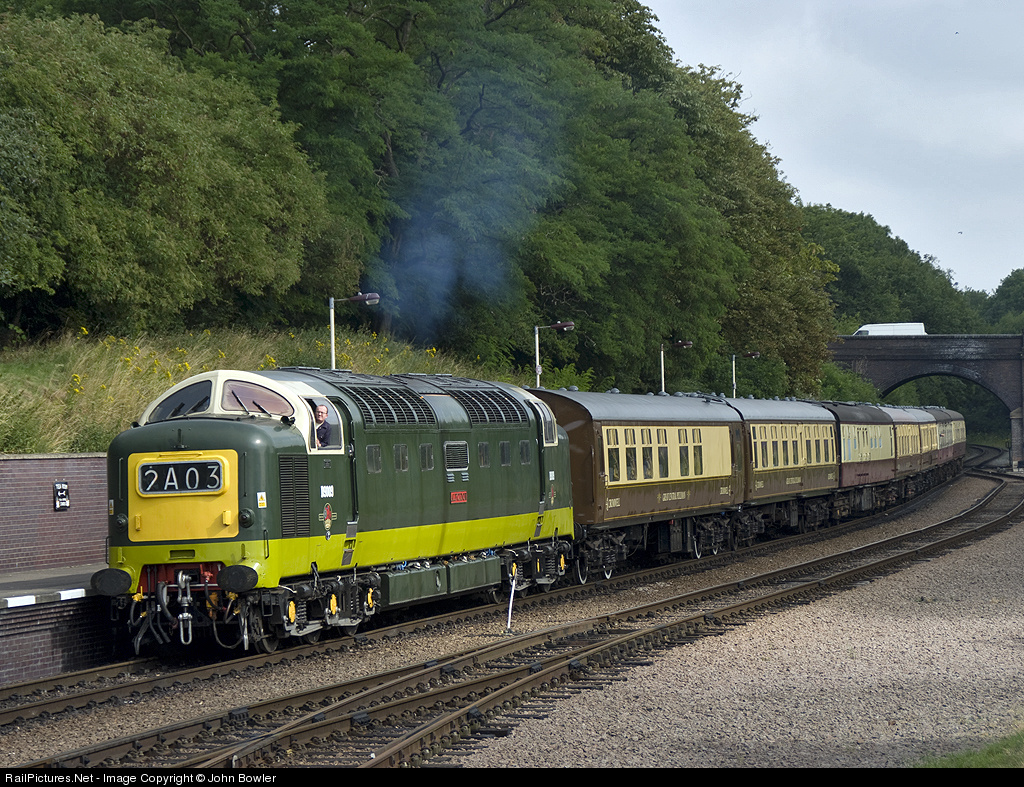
(636, 408)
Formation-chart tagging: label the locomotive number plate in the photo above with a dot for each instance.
(177, 478)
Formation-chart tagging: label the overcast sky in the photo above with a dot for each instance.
(911, 111)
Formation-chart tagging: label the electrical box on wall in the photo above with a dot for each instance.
(61, 496)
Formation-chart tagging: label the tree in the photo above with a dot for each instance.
(155, 189)
(881, 279)
(782, 308)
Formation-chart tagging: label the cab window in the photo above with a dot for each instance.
(189, 400)
(253, 399)
(325, 431)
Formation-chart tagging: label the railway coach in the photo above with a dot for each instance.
(691, 474)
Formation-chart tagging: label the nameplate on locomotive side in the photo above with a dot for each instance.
(460, 497)
(181, 478)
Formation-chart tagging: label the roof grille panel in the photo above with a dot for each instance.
(490, 406)
(381, 406)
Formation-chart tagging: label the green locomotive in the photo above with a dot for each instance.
(261, 506)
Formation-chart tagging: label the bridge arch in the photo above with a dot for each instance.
(993, 361)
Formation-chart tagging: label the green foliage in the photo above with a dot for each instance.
(842, 385)
(1005, 308)
(782, 308)
(157, 189)
(881, 280)
(1005, 753)
(487, 167)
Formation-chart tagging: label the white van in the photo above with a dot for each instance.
(892, 329)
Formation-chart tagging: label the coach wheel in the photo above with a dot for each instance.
(582, 570)
(607, 573)
(696, 546)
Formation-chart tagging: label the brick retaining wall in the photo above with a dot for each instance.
(41, 640)
(33, 535)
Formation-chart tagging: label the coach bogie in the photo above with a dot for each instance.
(710, 535)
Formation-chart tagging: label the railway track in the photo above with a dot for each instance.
(406, 717)
(132, 679)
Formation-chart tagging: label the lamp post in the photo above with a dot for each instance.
(685, 345)
(745, 355)
(369, 298)
(558, 326)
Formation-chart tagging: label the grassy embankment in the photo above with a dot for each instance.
(75, 393)
(1007, 753)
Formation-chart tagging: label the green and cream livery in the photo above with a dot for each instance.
(256, 506)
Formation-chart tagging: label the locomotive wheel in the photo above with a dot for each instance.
(263, 642)
(312, 637)
(267, 644)
(498, 595)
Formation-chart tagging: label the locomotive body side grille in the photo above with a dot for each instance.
(294, 476)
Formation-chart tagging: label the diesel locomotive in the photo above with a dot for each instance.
(254, 507)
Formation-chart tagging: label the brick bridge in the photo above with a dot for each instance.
(993, 361)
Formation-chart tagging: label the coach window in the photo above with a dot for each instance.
(611, 438)
(698, 460)
(630, 454)
(648, 453)
(663, 453)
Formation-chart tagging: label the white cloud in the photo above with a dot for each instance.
(909, 110)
